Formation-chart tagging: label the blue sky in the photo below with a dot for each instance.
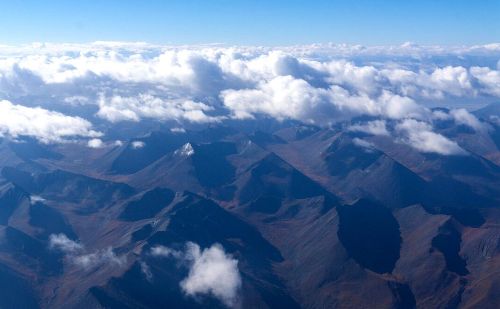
(252, 22)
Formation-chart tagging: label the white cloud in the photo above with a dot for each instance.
(76, 100)
(36, 199)
(462, 116)
(455, 81)
(420, 136)
(146, 270)
(178, 130)
(375, 127)
(363, 144)
(47, 126)
(118, 108)
(95, 143)
(440, 115)
(287, 98)
(495, 119)
(63, 243)
(282, 97)
(162, 251)
(75, 252)
(100, 257)
(137, 144)
(489, 79)
(211, 272)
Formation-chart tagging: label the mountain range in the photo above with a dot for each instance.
(269, 215)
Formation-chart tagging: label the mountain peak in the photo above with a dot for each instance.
(186, 150)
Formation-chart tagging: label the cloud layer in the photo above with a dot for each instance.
(317, 84)
(133, 82)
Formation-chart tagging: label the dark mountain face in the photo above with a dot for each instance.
(89, 192)
(448, 243)
(370, 234)
(32, 254)
(30, 149)
(10, 199)
(263, 139)
(148, 205)
(141, 152)
(359, 170)
(261, 215)
(49, 221)
(16, 292)
(343, 156)
(211, 166)
(274, 177)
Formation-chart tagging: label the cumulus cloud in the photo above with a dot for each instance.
(282, 97)
(178, 130)
(463, 117)
(363, 144)
(63, 243)
(162, 251)
(95, 143)
(34, 199)
(454, 81)
(375, 127)
(285, 97)
(75, 252)
(489, 79)
(137, 144)
(118, 108)
(420, 136)
(47, 126)
(211, 272)
(106, 256)
(495, 119)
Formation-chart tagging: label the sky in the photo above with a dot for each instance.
(256, 22)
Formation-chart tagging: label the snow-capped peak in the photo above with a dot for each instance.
(186, 150)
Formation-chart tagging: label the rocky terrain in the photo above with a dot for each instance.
(294, 215)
